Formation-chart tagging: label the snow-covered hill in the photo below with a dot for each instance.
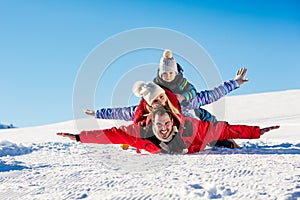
(37, 164)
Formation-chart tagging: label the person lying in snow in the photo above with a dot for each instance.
(164, 134)
(170, 76)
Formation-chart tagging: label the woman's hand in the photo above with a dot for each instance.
(89, 112)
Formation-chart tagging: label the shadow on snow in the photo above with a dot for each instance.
(250, 148)
(9, 167)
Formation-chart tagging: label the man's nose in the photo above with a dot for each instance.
(163, 127)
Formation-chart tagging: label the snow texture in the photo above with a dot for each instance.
(37, 164)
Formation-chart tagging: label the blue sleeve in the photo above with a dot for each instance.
(187, 90)
(125, 113)
(208, 96)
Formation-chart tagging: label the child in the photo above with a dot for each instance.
(170, 76)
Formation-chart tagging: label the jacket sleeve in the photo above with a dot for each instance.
(187, 90)
(125, 113)
(196, 133)
(123, 135)
(222, 130)
(208, 96)
(141, 113)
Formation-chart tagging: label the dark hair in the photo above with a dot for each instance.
(160, 110)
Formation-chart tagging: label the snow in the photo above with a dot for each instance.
(37, 164)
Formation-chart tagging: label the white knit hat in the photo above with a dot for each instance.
(149, 91)
(167, 63)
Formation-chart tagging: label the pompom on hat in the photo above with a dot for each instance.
(149, 91)
(167, 63)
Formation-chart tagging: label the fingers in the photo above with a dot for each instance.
(274, 127)
(242, 72)
(68, 135)
(239, 71)
(240, 76)
(267, 129)
(63, 134)
(245, 80)
(89, 112)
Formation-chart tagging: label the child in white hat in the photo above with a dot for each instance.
(170, 76)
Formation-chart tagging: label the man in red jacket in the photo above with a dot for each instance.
(164, 135)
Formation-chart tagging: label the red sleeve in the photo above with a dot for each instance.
(203, 132)
(222, 130)
(141, 111)
(123, 135)
(172, 97)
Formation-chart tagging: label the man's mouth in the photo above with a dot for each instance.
(164, 133)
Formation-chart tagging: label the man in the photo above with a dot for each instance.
(164, 135)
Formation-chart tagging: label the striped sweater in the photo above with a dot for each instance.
(202, 98)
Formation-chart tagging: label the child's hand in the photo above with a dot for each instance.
(180, 98)
(240, 76)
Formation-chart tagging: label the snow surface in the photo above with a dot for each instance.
(37, 164)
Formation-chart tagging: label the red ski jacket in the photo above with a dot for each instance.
(195, 135)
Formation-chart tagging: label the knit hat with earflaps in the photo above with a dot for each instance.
(149, 91)
(167, 63)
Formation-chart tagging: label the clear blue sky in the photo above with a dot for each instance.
(44, 43)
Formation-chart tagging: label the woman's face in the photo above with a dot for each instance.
(160, 100)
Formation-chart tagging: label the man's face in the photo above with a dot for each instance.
(162, 125)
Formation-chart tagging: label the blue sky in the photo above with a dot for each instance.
(44, 43)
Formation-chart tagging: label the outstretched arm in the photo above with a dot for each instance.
(125, 113)
(222, 130)
(208, 96)
(123, 135)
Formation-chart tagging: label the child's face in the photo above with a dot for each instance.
(168, 76)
